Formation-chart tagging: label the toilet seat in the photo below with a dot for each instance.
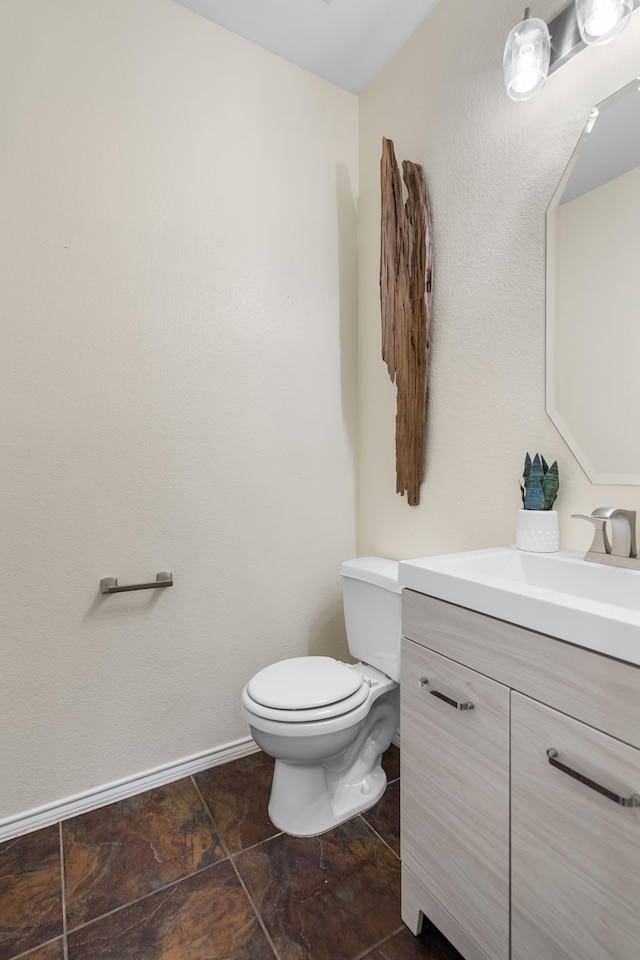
(305, 689)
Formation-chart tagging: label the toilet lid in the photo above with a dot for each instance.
(303, 683)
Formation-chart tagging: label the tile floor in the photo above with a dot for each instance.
(196, 871)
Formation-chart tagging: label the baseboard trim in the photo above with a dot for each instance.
(52, 813)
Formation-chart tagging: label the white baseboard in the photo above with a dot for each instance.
(83, 802)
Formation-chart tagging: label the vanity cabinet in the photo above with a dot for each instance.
(509, 845)
(455, 801)
(575, 850)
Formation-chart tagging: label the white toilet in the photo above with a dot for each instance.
(327, 723)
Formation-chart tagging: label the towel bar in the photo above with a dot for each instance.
(110, 584)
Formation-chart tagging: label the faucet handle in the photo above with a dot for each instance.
(623, 530)
(600, 540)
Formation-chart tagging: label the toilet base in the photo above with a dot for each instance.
(301, 806)
(309, 799)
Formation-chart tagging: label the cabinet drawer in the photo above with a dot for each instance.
(575, 852)
(589, 686)
(455, 792)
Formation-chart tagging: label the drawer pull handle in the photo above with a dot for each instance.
(632, 801)
(464, 705)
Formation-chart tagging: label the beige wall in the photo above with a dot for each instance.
(492, 167)
(177, 382)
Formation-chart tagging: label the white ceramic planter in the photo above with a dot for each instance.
(537, 531)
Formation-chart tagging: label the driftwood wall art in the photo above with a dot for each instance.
(405, 297)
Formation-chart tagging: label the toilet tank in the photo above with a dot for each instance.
(372, 612)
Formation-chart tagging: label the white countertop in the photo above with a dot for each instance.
(560, 594)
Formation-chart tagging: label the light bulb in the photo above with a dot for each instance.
(601, 20)
(526, 58)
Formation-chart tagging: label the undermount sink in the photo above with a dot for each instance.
(560, 594)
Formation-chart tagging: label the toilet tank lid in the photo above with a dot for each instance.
(377, 570)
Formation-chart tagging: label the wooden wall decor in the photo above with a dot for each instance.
(405, 297)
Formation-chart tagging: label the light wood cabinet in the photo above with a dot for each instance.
(575, 850)
(455, 792)
(512, 851)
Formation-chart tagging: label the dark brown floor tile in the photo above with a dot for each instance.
(30, 891)
(324, 898)
(430, 945)
(391, 763)
(121, 852)
(50, 951)
(205, 917)
(237, 794)
(385, 816)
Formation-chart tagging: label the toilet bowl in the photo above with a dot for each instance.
(327, 723)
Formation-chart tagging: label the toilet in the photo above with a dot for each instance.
(327, 723)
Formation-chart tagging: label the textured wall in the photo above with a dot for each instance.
(177, 380)
(492, 167)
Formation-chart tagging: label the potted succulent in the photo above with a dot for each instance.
(537, 525)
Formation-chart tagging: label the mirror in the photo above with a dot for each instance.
(593, 294)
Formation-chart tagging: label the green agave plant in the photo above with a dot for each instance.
(539, 487)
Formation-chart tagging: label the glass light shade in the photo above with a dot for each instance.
(526, 58)
(601, 20)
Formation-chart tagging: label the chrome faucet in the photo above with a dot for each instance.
(621, 551)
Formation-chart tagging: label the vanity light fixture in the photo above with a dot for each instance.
(526, 57)
(599, 21)
(534, 49)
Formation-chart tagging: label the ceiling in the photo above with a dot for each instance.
(345, 41)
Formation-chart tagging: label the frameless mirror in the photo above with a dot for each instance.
(593, 294)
